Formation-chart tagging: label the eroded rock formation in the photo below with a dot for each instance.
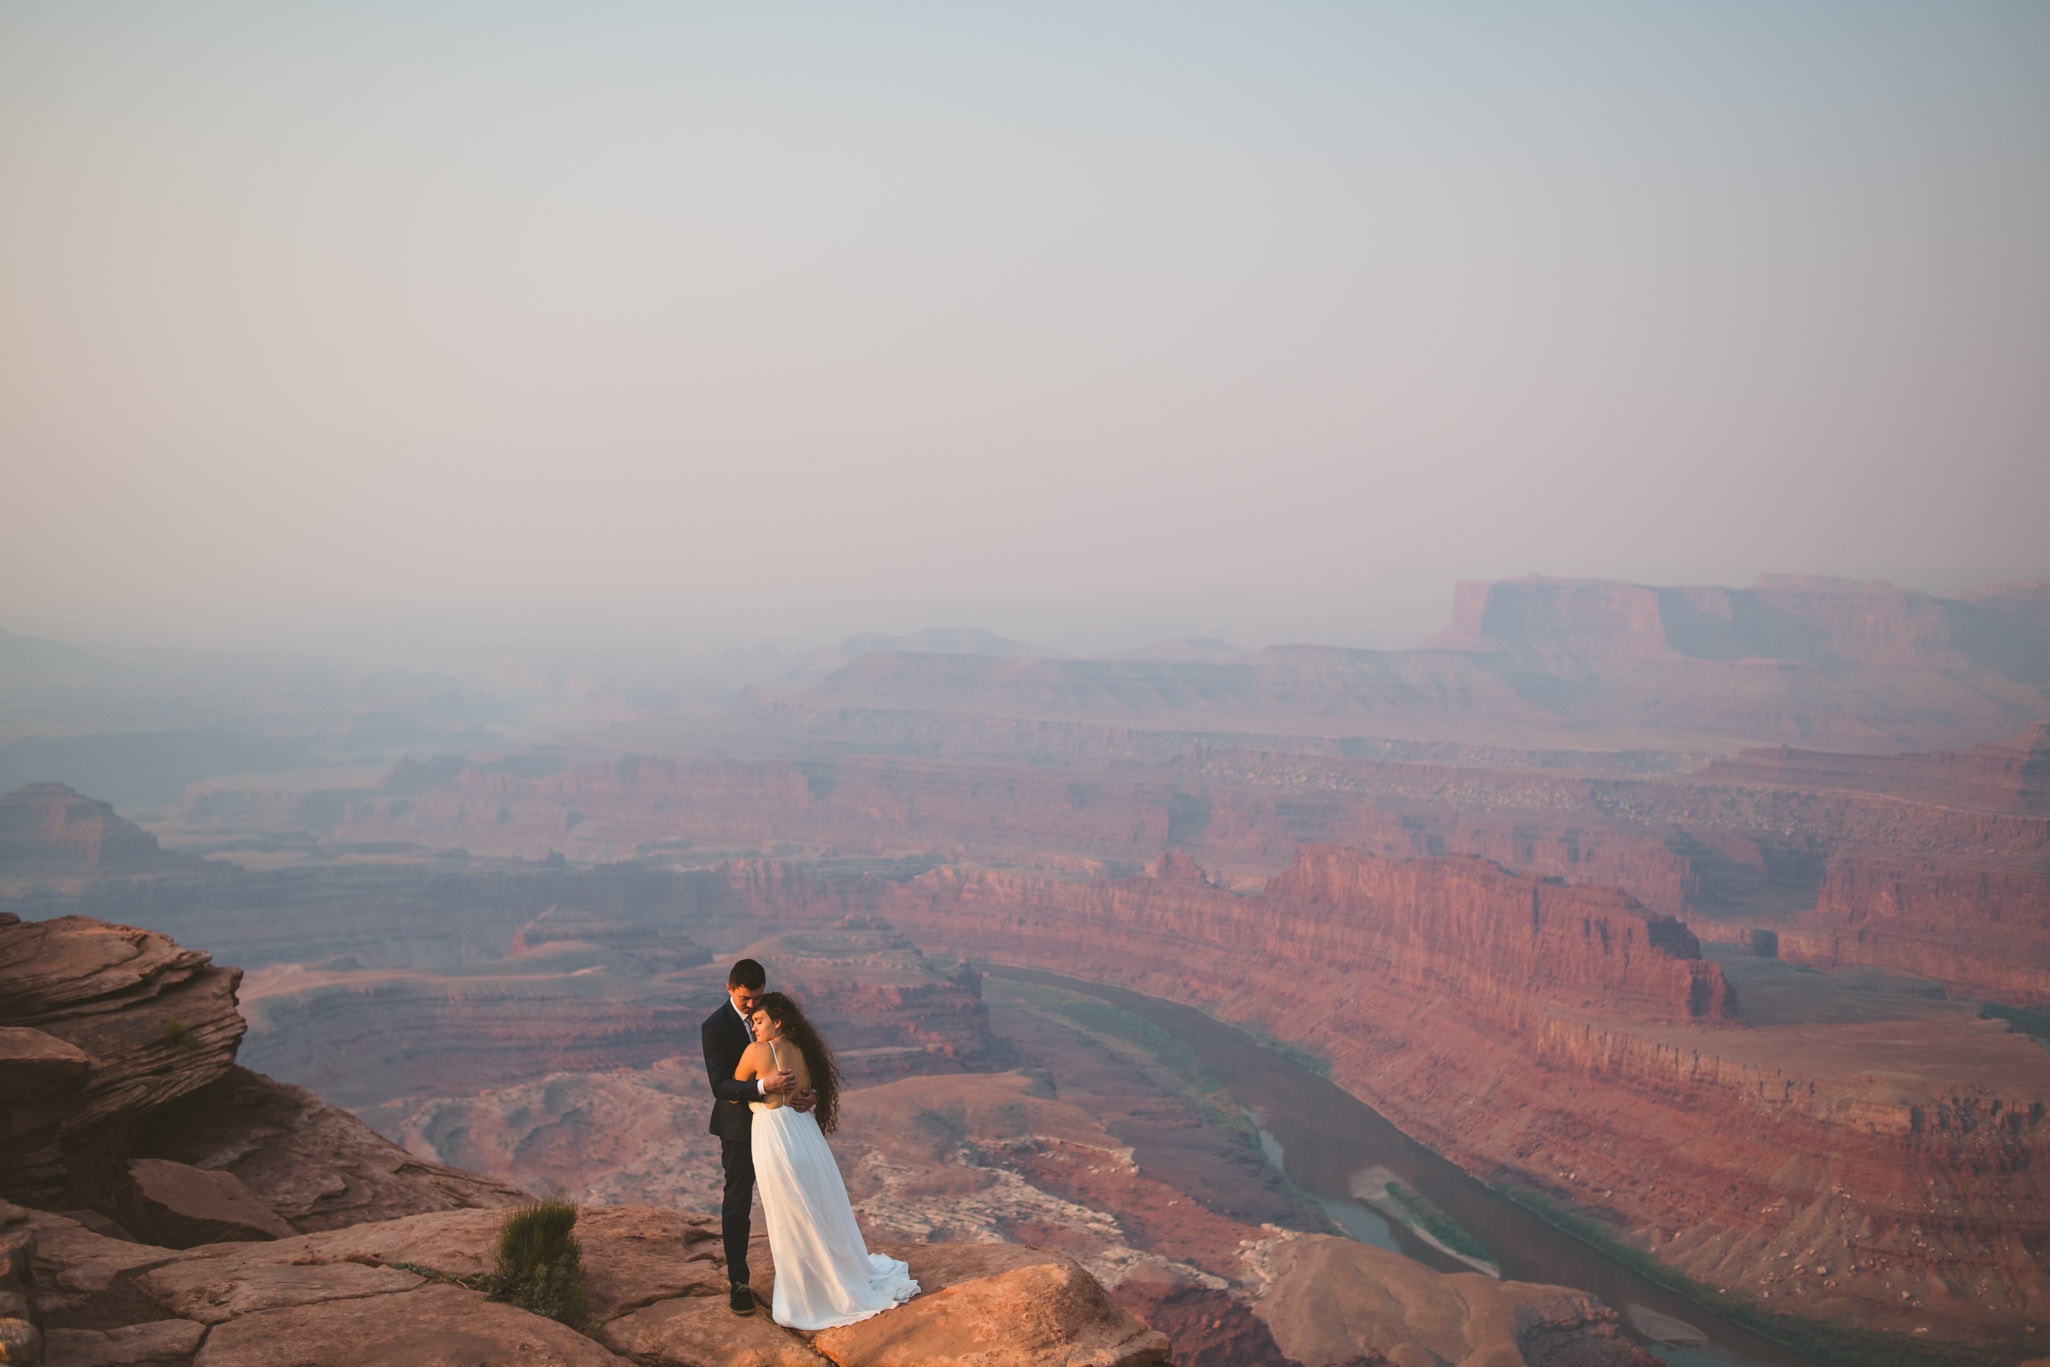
(104, 1024)
(47, 831)
(1490, 1016)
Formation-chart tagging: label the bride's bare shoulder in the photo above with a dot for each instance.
(752, 1059)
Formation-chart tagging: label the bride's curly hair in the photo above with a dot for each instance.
(818, 1055)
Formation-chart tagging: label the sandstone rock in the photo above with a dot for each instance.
(315, 1165)
(157, 1021)
(990, 1305)
(210, 1292)
(1333, 1301)
(1978, 925)
(41, 1082)
(655, 1288)
(435, 1326)
(699, 1331)
(454, 1243)
(74, 1265)
(159, 1343)
(634, 1256)
(1209, 1328)
(181, 1206)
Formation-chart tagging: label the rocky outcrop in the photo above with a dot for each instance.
(1978, 926)
(150, 1021)
(48, 831)
(983, 1303)
(180, 1206)
(314, 1165)
(1330, 1302)
(120, 1094)
(42, 1084)
(655, 1294)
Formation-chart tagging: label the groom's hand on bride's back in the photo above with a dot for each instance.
(804, 1100)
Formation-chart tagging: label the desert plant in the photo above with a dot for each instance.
(180, 1034)
(540, 1263)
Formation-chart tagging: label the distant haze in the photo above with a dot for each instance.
(1059, 320)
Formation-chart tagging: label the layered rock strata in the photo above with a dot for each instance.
(314, 1166)
(1855, 666)
(102, 1024)
(48, 831)
(120, 1094)
(1740, 845)
(1980, 926)
(1560, 1042)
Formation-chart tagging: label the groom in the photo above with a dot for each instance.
(726, 1037)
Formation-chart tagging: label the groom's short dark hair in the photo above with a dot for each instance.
(748, 974)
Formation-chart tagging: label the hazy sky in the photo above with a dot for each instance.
(1246, 318)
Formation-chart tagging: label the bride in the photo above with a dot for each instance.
(825, 1275)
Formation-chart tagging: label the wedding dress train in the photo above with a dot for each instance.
(825, 1275)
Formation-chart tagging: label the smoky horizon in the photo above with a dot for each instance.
(1086, 330)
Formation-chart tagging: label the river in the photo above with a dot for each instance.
(1321, 1136)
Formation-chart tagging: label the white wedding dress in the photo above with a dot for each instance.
(825, 1275)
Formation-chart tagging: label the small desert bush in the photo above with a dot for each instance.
(179, 1033)
(540, 1263)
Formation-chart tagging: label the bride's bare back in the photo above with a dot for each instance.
(766, 1058)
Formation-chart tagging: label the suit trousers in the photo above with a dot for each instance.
(738, 1158)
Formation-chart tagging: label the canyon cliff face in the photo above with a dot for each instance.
(47, 831)
(1567, 1044)
(1846, 665)
(1937, 865)
(1978, 926)
(1741, 845)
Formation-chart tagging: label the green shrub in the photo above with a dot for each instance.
(540, 1263)
(180, 1034)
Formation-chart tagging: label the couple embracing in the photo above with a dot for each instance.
(778, 1097)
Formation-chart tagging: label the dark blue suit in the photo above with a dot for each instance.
(726, 1038)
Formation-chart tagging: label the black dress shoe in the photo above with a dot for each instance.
(740, 1300)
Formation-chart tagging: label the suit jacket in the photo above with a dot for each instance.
(726, 1039)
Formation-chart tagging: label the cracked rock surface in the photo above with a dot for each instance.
(655, 1295)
